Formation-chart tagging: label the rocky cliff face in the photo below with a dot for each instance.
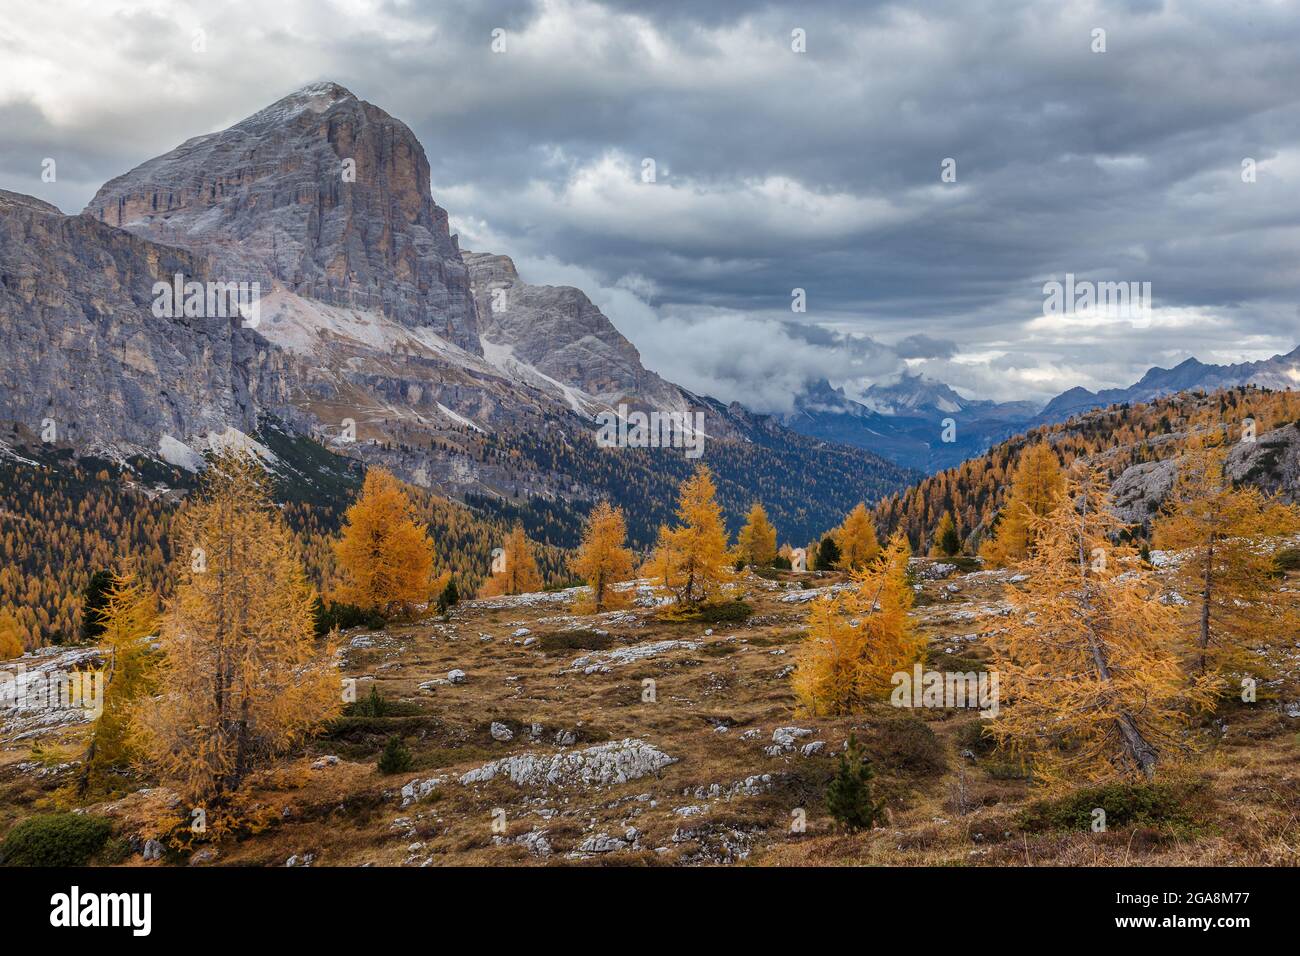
(1271, 464)
(558, 332)
(368, 336)
(321, 194)
(82, 349)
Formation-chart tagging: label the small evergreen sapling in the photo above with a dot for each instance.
(395, 758)
(848, 796)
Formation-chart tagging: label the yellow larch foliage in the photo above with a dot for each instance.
(243, 678)
(659, 565)
(1035, 491)
(697, 547)
(11, 636)
(520, 575)
(1237, 614)
(384, 554)
(859, 640)
(756, 543)
(857, 540)
(1090, 685)
(603, 558)
(129, 618)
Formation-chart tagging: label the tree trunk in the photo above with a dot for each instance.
(1203, 640)
(1138, 749)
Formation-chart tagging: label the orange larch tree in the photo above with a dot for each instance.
(384, 554)
(603, 558)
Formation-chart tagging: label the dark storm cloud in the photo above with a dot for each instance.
(921, 346)
(776, 170)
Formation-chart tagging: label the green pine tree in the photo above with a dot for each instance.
(828, 554)
(93, 601)
(449, 596)
(848, 796)
(396, 758)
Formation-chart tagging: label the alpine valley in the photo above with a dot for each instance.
(377, 339)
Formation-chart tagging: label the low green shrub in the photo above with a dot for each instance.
(327, 617)
(904, 742)
(1287, 559)
(55, 839)
(723, 612)
(579, 640)
(1179, 808)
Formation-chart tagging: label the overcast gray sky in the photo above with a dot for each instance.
(775, 169)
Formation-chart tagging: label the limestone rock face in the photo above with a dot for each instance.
(1271, 463)
(615, 762)
(558, 331)
(1141, 489)
(82, 349)
(272, 199)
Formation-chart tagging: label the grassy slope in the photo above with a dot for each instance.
(964, 813)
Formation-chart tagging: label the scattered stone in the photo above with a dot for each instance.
(501, 732)
(600, 662)
(615, 762)
(602, 843)
(749, 787)
(329, 760)
(456, 676)
(936, 571)
(417, 790)
(783, 740)
(534, 840)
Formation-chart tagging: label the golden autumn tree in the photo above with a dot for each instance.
(756, 543)
(1036, 489)
(242, 679)
(856, 539)
(1090, 685)
(129, 616)
(603, 558)
(697, 547)
(518, 574)
(384, 554)
(859, 640)
(11, 636)
(659, 565)
(1238, 613)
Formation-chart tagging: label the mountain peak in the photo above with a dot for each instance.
(913, 391)
(319, 193)
(314, 97)
(325, 88)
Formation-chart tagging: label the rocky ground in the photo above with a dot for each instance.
(544, 737)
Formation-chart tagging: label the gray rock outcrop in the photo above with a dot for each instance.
(270, 199)
(615, 762)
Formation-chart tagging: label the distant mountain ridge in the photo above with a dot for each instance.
(905, 422)
(917, 422)
(1279, 373)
